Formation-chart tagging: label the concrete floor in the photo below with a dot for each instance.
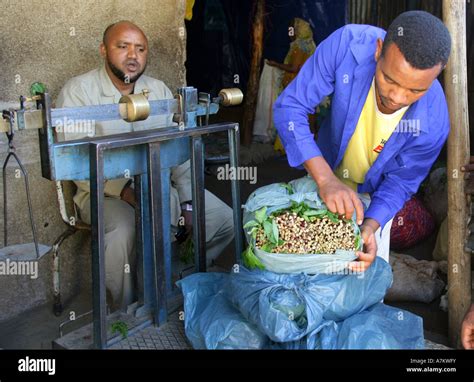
(38, 328)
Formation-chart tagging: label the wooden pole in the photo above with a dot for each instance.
(250, 104)
(459, 261)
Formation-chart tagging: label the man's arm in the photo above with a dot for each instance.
(467, 329)
(315, 81)
(73, 95)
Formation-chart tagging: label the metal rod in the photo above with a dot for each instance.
(5, 207)
(28, 199)
(98, 245)
(46, 137)
(144, 235)
(199, 222)
(157, 242)
(57, 305)
(147, 136)
(139, 238)
(30, 207)
(234, 141)
(111, 111)
(165, 216)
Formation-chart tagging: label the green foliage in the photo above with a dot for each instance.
(261, 215)
(250, 260)
(120, 327)
(268, 225)
(288, 188)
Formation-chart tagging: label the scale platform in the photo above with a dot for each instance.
(143, 335)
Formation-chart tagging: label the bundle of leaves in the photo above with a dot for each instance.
(299, 230)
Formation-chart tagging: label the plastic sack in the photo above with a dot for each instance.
(288, 307)
(379, 327)
(277, 197)
(210, 321)
(299, 311)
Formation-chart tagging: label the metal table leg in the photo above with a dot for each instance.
(199, 209)
(158, 223)
(96, 154)
(234, 139)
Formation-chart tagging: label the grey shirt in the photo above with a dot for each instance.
(96, 88)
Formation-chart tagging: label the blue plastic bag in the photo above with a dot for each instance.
(288, 307)
(210, 321)
(275, 197)
(379, 327)
(260, 310)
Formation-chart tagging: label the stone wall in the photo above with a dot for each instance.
(52, 41)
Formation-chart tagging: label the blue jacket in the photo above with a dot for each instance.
(343, 66)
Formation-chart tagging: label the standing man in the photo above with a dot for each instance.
(125, 49)
(388, 120)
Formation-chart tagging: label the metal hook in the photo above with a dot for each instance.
(8, 114)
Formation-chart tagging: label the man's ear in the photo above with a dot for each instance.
(378, 49)
(102, 50)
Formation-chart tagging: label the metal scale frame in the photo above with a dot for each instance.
(149, 156)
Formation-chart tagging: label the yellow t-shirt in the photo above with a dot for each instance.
(372, 132)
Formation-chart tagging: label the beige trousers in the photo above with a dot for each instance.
(120, 258)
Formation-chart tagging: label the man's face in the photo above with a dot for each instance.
(397, 83)
(125, 52)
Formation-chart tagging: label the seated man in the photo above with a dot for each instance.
(125, 49)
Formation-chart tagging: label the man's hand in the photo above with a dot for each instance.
(366, 258)
(341, 199)
(128, 195)
(468, 168)
(467, 330)
(338, 197)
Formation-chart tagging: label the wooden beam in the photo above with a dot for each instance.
(250, 104)
(459, 261)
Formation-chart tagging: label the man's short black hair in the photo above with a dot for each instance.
(422, 38)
